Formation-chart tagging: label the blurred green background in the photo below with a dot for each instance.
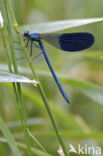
(82, 121)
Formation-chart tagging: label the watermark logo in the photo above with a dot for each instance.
(85, 149)
(72, 149)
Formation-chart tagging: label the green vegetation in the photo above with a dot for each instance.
(36, 120)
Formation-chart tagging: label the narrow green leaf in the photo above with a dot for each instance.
(73, 134)
(37, 142)
(58, 25)
(30, 122)
(10, 77)
(1, 20)
(9, 138)
(91, 90)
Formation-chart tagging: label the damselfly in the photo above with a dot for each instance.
(71, 42)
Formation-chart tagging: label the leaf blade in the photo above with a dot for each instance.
(10, 77)
(54, 26)
(9, 138)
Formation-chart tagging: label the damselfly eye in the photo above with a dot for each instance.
(26, 33)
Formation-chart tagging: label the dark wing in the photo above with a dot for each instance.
(70, 42)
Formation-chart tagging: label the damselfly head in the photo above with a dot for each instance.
(26, 34)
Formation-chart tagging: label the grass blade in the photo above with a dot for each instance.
(58, 25)
(10, 77)
(9, 138)
(34, 138)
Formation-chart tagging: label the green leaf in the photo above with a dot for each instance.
(1, 20)
(58, 25)
(10, 77)
(37, 142)
(30, 122)
(91, 90)
(9, 138)
(73, 134)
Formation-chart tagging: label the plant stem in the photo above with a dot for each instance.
(8, 60)
(6, 50)
(21, 106)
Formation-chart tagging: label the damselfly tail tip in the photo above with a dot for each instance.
(67, 100)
